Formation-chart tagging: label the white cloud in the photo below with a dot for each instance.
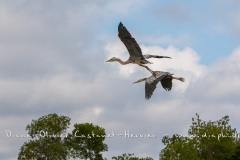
(184, 63)
(220, 83)
(52, 60)
(211, 91)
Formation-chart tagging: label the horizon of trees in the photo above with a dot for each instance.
(206, 140)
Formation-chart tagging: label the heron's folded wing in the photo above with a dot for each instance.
(167, 83)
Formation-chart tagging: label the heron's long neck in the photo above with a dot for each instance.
(140, 80)
(122, 62)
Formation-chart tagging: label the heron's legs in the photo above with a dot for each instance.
(153, 73)
(177, 78)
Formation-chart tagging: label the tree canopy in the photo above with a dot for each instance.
(86, 141)
(49, 140)
(205, 141)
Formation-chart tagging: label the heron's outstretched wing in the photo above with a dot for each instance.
(151, 83)
(130, 43)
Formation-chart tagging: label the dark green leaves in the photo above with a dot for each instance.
(50, 140)
(213, 140)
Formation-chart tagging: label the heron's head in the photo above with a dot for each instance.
(112, 59)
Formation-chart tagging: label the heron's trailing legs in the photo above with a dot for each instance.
(153, 73)
(178, 78)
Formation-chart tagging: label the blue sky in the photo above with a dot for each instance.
(52, 60)
(206, 25)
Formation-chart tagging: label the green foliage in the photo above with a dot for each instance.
(236, 156)
(130, 157)
(205, 141)
(51, 124)
(50, 141)
(86, 141)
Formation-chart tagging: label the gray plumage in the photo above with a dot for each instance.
(134, 50)
(151, 82)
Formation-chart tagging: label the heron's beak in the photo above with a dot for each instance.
(167, 57)
(108, 60)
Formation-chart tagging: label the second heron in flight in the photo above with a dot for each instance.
(151, 82)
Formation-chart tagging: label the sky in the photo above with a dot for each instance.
(52, 60)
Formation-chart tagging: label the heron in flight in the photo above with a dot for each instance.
(151, 82)
(134, 50)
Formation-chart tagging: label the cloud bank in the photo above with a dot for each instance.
(52, 60)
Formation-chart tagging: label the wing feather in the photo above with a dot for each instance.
(167, 83)
(130, 43)
(151, 83)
